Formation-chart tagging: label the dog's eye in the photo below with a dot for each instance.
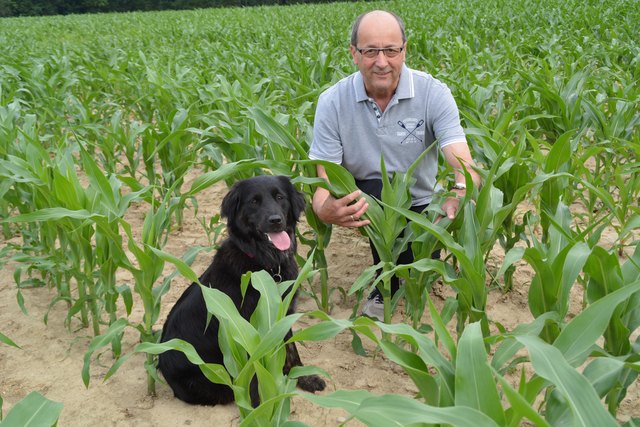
(279, 196)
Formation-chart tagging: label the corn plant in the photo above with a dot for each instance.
(468, 381)
(606, 276)
(146, 271)
(70, 218)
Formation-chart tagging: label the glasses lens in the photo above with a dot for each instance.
(392, 51)
(369, 53)
(389, 52)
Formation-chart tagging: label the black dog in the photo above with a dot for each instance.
(262, 214)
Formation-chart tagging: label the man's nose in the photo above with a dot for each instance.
(381, 59)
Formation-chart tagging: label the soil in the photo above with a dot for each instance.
(51, 355)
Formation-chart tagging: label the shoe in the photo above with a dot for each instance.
(374, 306)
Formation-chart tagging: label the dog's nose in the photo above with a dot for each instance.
(275, 219)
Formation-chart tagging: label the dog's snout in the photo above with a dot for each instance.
(275, 219)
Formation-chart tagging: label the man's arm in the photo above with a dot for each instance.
(457, 154)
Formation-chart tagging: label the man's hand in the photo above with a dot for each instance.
(450, 207)
(346, 211)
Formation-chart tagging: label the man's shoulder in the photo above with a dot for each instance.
(426, 80)
(342, 87)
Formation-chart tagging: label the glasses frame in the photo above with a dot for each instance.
(377, 50)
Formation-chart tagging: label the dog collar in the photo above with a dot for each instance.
(276, 276)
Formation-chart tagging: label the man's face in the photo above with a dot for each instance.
(381, 74)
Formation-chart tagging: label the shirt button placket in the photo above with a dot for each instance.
(375, 109)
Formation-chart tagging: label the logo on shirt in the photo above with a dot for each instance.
(411, 131)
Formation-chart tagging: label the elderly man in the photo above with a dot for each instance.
(386, 109)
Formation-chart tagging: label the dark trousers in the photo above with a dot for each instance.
(373, 187)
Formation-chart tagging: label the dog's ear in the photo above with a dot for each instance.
(231, 202)
(296, 199)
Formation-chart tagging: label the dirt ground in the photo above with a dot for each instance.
(51, 356)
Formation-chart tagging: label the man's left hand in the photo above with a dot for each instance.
(450, 207)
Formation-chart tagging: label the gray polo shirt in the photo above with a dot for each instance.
(350, 130)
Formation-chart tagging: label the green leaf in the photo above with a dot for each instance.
(275, 132)
(226, 171)
(99, 181)
(475, 385)
(267, 388)
(48, 214)
(266, 312)
(348, 400)
(263, 414)
(549, 363)
(514, 255)
(182, 267)
(274, 337)
(114, 331)
(571, 268)
(577, 338)
(519, 404)
(220, 305)
(5, 339)
(510, 346)
(441, 329)
(34, 410)
(322, 331)
(543, 292)
(214, 372)
(395, 410)
(415, 367)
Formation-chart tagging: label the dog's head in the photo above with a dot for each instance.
(263, 209)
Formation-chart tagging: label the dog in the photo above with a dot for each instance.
(262, 213)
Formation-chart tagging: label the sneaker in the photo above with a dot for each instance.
(374, 306)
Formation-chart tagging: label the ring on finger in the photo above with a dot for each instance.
(353, 219)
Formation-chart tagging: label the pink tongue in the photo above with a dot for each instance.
(280, 240)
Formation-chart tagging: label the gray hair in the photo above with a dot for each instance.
(356, 27)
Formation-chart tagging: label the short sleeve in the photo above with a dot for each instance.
(446, 124)
(326, 144)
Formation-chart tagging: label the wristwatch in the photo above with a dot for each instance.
(459, 186)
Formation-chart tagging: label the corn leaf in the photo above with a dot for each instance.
(214, 372)
(5, 339)
(266, 313)
(475, 385)
(395, 410)
(549, 363)
(220, 305)
(34, 410)
(577, 338)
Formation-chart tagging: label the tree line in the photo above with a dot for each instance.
(66, 7)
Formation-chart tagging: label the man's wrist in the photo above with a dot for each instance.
(459, 189)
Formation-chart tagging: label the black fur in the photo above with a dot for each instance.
(253, 208)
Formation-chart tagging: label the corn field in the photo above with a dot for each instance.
(107, 117)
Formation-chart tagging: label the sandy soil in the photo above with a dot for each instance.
(51, 356)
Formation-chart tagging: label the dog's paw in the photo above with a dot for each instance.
(311, 383)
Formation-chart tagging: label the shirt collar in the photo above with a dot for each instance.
(405, 85)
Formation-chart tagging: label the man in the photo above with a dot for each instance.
(387, 109)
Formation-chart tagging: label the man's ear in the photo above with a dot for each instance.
(354, 54)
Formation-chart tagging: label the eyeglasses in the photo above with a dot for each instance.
(372, 52)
